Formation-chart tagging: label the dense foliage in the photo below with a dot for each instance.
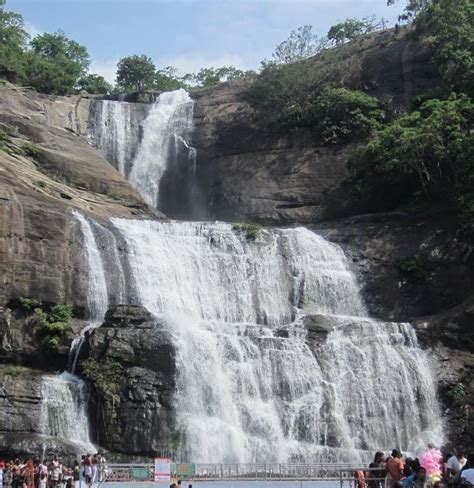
(136, 73)
(94, 84)
(451, 24)
(427, 156)
(52, 320)
(424, 156)
(288, 97)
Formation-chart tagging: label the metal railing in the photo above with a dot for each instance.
(342, 472)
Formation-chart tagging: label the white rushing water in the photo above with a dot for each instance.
(169, 119)
(114, 134)
(249, 387)
(97, 296)
(64, 412)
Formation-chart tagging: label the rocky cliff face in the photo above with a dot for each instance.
(247, 174)
(133, 409)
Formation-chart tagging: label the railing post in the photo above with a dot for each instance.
(279, 469)
(222, 472)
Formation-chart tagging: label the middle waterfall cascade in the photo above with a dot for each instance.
(250, 389)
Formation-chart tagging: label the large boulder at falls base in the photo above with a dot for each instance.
(131, 364)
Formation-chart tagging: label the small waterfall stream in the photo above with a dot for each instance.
(64, 412)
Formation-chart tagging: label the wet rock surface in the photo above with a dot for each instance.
(136, 415)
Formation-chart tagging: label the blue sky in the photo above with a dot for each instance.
(189, 34)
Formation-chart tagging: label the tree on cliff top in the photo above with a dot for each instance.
(136, 73)
(94, 84)
(301, 44)
(13, 39)
(55, 63)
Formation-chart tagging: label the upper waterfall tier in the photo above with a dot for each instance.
(144, 150)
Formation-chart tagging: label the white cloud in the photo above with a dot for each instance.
(32, 30)
(106, 68)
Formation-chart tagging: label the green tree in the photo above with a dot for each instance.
(13, 39)
(350, 29)
(136, 73)
(94, 84)
(341, 114)
(58, 47)
(212, 76)
(424, 156)
(301, 44)
(451, 24)
(55, 63)
(412, 9)
(167, 79)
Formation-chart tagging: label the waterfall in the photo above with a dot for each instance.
(63, 415)
(250, 389)
(97, 296)
(143, 145)
(169, 119)
(115, 132)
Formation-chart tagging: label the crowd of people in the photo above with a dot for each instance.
(86, 473)
(445, 468)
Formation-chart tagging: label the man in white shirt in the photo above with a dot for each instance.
(455, 464)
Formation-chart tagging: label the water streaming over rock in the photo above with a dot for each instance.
(115, 131)
(144, 151)
(250, 387)
(64, 419)
(164, 131)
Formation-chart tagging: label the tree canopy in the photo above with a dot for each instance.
(136, 73)
(301, 44)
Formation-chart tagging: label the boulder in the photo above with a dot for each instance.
(136, 415)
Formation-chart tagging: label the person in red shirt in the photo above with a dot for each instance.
(394, 469)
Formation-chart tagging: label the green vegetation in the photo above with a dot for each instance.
(53, 321)
(12, 370)
(411, 267)
(30, 150)
(451, 24)
(424, 156)
(288, 97)
(136, 73)
(458, 395)
(29, 303)
(105, 376)
(252, 230)
(301, 44)
(41, 183)
(94, 84)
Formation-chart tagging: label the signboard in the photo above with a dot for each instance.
(186, 470)
(162, 470)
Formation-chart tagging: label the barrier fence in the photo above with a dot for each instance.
(344, 473)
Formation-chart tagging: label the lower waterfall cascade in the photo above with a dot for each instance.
(250, 387)
(63, 415)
